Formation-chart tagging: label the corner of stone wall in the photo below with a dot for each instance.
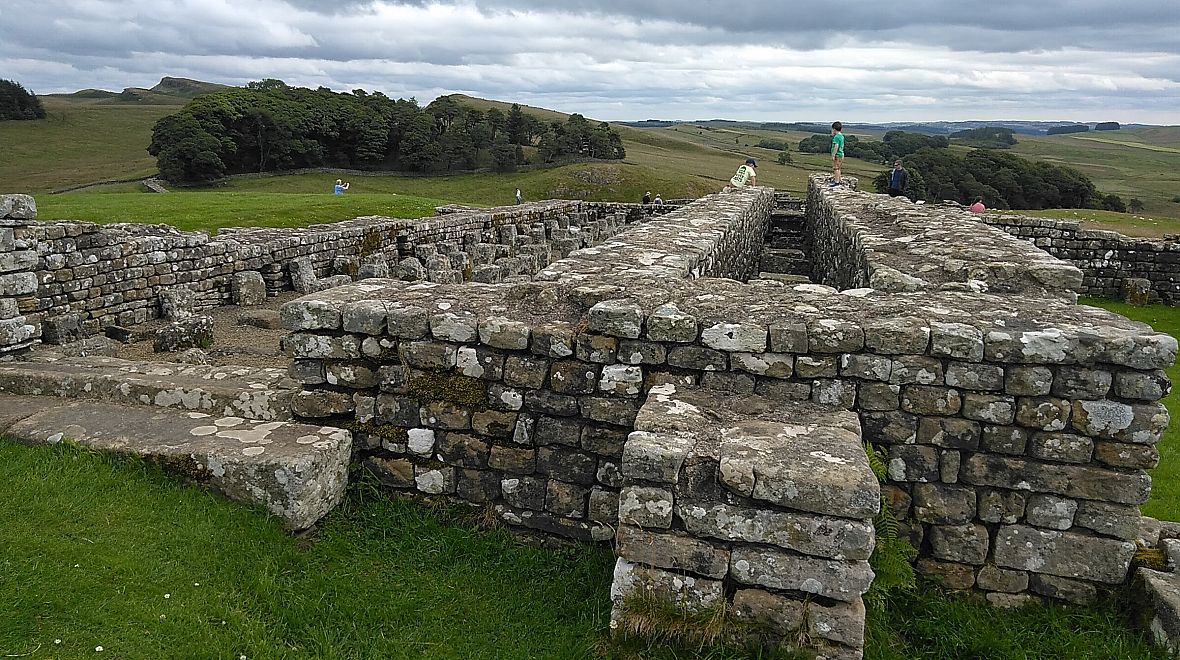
(749, 513)
(18, 281)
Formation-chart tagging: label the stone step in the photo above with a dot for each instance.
(784, 261)
(249, 392)
(295, 471)
(785, 243)
(784, 277)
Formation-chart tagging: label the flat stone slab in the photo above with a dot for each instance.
(249, 392)
(296, 471)
(796, 455)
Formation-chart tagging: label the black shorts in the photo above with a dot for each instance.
(894, 192)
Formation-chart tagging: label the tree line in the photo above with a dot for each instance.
(269, 126)
(16, 102)
(1003, 180)
(894, 144)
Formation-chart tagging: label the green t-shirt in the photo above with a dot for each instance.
(838, 145)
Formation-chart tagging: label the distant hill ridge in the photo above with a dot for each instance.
(169, 91)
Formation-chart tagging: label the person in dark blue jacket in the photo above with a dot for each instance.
(898, 179)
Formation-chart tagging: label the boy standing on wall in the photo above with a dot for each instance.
(837, 151)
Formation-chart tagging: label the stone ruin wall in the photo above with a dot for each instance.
(1107, 258)
(1017, 427)
(94, 276)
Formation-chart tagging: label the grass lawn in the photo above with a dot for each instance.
(210, 211)
(100, 551)
(1165, 479)
(1128, 224)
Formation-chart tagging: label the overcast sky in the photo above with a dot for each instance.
(884, 60)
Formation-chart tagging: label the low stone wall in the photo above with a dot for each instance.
(93, 276)
(1017, 427)
(890, 244)
(18, 255)
(1107, 258)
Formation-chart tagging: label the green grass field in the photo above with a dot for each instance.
(210, 211)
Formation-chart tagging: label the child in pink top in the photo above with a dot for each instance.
(978, 206)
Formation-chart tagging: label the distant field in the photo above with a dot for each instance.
(210, 211)
(78, 143)
(1122, 162)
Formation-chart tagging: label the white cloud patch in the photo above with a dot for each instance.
(862, 61)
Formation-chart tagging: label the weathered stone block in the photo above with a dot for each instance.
(504, 333)
(1079, 383)
(917, 370)
(1064, 447)
(407, 322)
(930, 400)
(839, 580)
(459, 327)
(913, 463)
(866, 365)
(645, 507)
(673, 551)
(641, 352)
(975, 376)
(621, 380)
(1028, 381)
(566, 464)
(617, 318)
(1063, 554)
(600, 349)
(949, 432)
(964, 544)
(788, 338)
(512, 460)
(195, 332)
(668, 323)
(949, 574)
(821, 536)
(365, 317)
(956, 340)
(1043, 413)
(1077, 481)
(991, 408)
(1050, 511)
(566, 500)
(1004, 439)
(524, 492)
(697, 358)
(993, 578)
(774, 365)
(943, 504)
(1116, 520)
(834, 336)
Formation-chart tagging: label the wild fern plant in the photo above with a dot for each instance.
(892, 556)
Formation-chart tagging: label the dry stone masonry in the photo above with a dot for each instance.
(1113, 263)
(73, 279)
(1017, 424)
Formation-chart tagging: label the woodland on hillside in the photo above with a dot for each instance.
(269, 126)
(18, 103)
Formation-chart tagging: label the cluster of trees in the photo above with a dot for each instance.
(1003, 180)
(1107, 126)
(1065, 130)
(987, 137)
(18, 103)
(894, 144)
(269, 126)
